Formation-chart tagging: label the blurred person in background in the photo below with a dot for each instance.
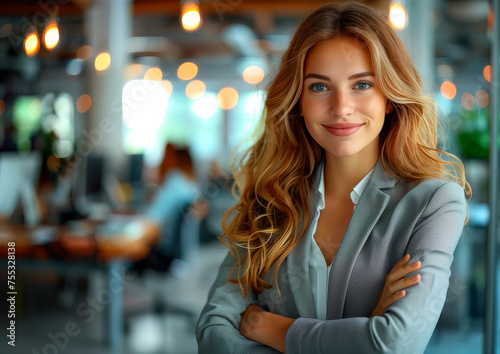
(177, 199)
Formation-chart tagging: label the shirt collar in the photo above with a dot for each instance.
(360, 187)
(355, 194)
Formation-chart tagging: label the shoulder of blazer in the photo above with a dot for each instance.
(383, 179)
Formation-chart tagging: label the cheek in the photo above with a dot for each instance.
(373, 107)
(313, 112)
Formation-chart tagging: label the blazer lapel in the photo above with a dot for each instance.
(369, 209)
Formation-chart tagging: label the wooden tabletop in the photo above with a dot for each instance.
(81, 242)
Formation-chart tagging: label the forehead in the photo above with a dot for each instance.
(343, 55)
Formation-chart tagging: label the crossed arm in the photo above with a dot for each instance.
(270, 329)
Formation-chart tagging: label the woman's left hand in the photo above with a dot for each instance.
(396, 283)
(265, 327)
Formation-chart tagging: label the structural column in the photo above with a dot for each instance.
(418, 37)
(492, 326)
(108, 27)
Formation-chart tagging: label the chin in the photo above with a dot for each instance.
(341, 153)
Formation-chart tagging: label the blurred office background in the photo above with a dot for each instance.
(113, 112)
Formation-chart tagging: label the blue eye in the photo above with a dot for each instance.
(318, 87)
(363, 86)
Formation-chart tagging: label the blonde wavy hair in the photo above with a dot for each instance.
(273, 178)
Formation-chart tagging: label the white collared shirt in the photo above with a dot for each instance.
(319, 272)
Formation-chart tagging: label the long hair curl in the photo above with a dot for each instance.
(273, 178)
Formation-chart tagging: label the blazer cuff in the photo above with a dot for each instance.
(300, 332)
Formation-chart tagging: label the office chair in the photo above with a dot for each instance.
(183, 247)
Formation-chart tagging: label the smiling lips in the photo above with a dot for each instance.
(343, 129)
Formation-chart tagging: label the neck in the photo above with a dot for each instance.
(342, 174)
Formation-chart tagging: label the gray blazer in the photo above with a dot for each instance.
(392, 218)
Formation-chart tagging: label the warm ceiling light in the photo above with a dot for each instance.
(102, 61)
(190, 15)
(227, 98)
(482, 98)
(154, 74)
(84, 52)
(468, 101)
(51, 35)
(83, 103)
(398, 16)
(133, 71)
(31, 44)
(167, 86)
(195, 89)
(187, 71)
(448, 90)
(253, 75)
(487, 72)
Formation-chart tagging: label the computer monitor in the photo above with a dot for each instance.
(94, 176)
(19, 175)
(136, 164)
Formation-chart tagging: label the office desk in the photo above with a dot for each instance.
(87, 250)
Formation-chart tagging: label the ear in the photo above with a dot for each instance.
(389, 107)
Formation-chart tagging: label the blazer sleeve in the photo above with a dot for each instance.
(408, 324)
(217, 330)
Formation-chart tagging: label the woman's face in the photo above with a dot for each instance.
(343, 108)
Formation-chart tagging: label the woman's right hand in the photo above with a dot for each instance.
(395, 283)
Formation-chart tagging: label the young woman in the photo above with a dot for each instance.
(348, 213)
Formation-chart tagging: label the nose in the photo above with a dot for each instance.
(341, 104)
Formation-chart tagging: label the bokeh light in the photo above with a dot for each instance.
(448, 90)
(397, 16)
(35, 108)
(205, 106)
(487, 72)
(154, 74)
(468, 101)
(253, 75)
(83, 103)
(31, 44)
(51, 35)
(191, 17)
(187, 71)
(482, 98)
(195, 89)
(63, 149)
(133, 71)
(144, 108)
(102, 61)
(167, 86)
(74, 67)
(227, 98)
(53, 163)
(84, 52)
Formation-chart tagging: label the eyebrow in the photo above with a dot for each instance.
(352, 77)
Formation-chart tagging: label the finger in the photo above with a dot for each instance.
(392, 299)
(401, 262)
(407, 269)
(403, 270)
(404, 283)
